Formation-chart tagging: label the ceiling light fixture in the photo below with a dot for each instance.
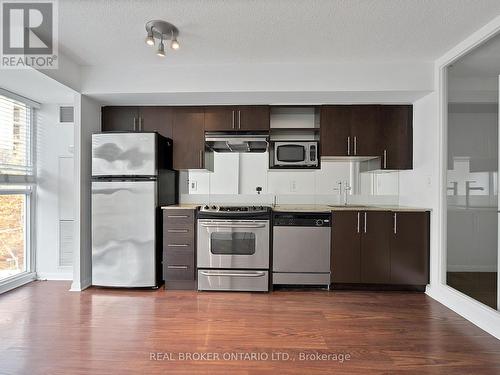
(161, 49)
(163, 31)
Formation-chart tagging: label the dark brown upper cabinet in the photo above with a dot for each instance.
(385, 131)
(237, 118)
(120, 118)
(410, 248)
(188, 134)
(157, 119)
(124, 118)
(397, 145)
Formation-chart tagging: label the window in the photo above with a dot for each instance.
(16, 186)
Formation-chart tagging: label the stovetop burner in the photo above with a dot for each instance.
(233, 211)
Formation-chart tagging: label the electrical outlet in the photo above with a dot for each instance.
(293, 185)
(193, 186)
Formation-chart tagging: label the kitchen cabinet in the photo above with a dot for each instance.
(375, 247)
(121, 118)
(157, 119)
(350, 130)
(380, 247)
(410, 248)
(346, 248)
(179, 248)
(188, 134)
(124, 118)
(237, 118)
(385, 131)
(397, 144)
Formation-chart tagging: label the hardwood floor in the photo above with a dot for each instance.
(44, 329)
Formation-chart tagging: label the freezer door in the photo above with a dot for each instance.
(124, 154)
(123, 233)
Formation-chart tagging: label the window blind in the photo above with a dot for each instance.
(16, 155)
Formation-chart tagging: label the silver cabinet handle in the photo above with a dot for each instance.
(177, 245)
(365, 222)
(395, 223)
(348, 146)
(233, 118)
(178, 267)
(135, 124)
(141, 120)
(234, 274)
(358, 223)
(201, 158)
(233, 225)
(178, 216)
(355, 145)
(385, 159)
(177, 230)
(239, 119)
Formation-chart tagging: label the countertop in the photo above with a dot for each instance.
(316, 208)
(181, 207)
(326, 208)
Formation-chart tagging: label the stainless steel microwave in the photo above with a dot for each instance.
(296, 154)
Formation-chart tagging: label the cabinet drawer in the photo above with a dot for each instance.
(178, 232)
(178, 243)
(174, 218)
(178, 266)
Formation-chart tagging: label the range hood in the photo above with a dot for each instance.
(236, 142)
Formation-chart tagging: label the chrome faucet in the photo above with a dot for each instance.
(468, 189)
(347, 188)
(343, 189)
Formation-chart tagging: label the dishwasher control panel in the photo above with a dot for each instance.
(302, 219)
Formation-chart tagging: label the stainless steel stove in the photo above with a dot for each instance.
(233, 248)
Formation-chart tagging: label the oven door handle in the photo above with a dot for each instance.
(233, 225)
(233, 274)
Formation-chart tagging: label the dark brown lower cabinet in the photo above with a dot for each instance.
(380, 248)
(179, 248)
(375, 247)
(410, 248)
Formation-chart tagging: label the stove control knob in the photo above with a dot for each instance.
(261, 208)
(206, 207)
(319, 223)
(214, 207)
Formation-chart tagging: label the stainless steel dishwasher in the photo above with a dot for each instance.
(301, 248)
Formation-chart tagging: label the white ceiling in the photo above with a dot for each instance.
(111, 32)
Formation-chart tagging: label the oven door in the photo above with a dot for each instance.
(233, 244)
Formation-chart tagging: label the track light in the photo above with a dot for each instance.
(175, 44)
(161, 49)
(163, 31)
(150, 40)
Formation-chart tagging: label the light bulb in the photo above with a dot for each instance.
(175, 44)
(161, 49)
(150, 41)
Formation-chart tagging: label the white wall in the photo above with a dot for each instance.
(87, 121)
(54, 193)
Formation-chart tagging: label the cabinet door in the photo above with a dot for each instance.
(397, 145)
(410, 248)
(120, 118)
(220, 119)
(335, 130)
(345, 257)
(188, 136)
(366, 131)
(375, 247)
(253, 118)
(157, 119)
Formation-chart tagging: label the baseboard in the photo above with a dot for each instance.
(54, 276)
(16, 282)
(481, 315)
(78, 286)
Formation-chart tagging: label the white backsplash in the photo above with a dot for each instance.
(236, 177)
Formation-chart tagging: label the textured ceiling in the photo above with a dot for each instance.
(110, 32)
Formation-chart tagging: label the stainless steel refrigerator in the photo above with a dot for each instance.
(131, 179)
